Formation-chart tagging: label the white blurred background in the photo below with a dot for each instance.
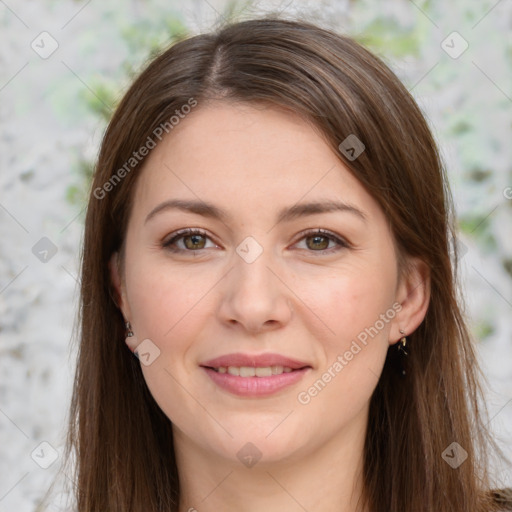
(63, 66)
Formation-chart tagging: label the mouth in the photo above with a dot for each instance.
(251, 371)
(255, 375)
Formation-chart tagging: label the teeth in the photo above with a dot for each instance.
(249, 371)
(277, 370)
(263, 372)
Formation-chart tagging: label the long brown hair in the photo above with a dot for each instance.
(122, 441)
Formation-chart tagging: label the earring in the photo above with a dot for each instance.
(402, 354)
(129, 334)
(402, 343)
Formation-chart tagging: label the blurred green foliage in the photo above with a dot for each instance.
(386, 35)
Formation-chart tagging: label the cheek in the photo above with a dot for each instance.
(170, 307)
(162, 296)
(348, 303)
(356, 310)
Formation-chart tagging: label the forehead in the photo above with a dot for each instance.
(244, 156)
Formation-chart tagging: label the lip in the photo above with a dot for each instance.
(255, 360)
(255, 386)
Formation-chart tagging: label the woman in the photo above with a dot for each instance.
(269, 233)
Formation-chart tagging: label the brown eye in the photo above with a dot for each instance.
(188, 240)
(322, 242)
(317, 242)
(194, 241)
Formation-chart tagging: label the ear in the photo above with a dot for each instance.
(413, 294)
(118, 285)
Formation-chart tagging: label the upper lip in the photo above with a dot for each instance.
(255, 361)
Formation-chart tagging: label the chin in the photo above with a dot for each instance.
(266, 441)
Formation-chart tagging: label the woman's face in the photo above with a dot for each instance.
(263, 280)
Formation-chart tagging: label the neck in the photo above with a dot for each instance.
(329, 478)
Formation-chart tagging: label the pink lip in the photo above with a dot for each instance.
(255, 386)
(254, 360)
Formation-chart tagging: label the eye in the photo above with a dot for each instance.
(188, 240)
(321, 240)
(193, 240)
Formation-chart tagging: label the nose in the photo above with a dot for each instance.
(254, 296)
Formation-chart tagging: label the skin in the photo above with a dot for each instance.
(303, 297)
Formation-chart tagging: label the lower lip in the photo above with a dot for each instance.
(255, 386)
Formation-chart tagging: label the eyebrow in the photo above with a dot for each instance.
(285, 215)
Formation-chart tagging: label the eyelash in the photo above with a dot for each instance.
(342, 244)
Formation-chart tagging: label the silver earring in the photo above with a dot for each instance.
(129, 332)
(128, 338)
